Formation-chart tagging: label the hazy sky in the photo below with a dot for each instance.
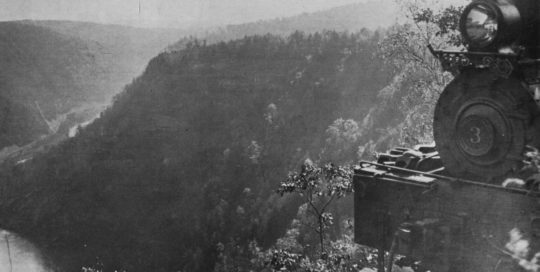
(162, 13)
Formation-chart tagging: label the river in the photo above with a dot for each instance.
(19, 255)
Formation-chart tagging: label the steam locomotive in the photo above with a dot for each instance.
(450, 206)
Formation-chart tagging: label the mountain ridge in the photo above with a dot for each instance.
(369, 16)
(212, 128)
(50, 68)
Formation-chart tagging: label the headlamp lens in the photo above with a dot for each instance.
(481, 25)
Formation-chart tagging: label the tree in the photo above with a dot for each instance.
(421, 78)
(319, 186)
(518, 246)
(342, 135)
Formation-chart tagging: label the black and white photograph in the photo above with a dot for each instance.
(269, 135)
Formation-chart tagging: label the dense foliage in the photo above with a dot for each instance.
(179, 173)
(404, 113)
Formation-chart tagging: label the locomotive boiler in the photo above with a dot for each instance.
(450, 206)
(488, 114)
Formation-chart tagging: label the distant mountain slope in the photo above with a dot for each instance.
(124, 47)
(50, 68)
(354, 17)
(189, 155)
(43, 74)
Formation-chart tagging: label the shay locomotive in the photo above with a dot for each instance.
(448, 205)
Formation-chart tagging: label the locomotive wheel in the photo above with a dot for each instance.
(480, 124)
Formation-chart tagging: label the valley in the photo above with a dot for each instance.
(127, 149)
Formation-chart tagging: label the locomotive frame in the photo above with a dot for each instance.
(449, 224)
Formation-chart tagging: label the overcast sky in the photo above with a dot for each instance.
(162, 13)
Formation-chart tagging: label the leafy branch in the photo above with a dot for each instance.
(319, 186)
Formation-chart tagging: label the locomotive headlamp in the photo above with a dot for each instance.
(481, 25)
(488, 25)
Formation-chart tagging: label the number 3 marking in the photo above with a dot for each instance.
(476, 137)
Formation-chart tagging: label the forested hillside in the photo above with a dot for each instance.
(43, 74)
(124, 51)
(55, 69)
(353, 18)
(186, 160)
(57, 74)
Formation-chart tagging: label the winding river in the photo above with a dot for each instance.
(19, 255)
